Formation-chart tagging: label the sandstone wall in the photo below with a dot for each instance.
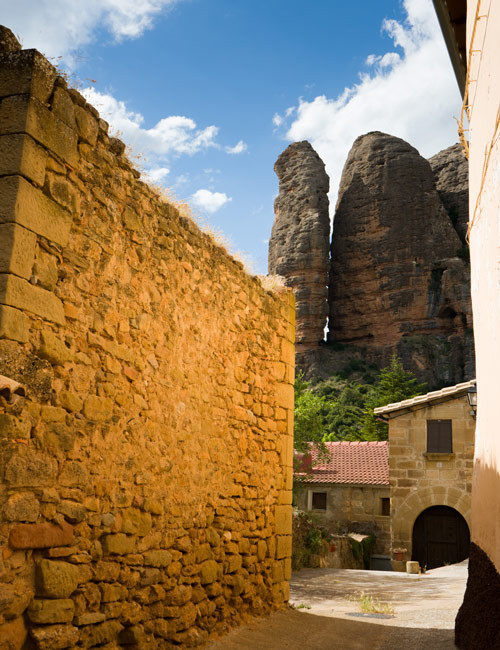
(146, 475)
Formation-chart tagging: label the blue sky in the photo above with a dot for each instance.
(207, 93)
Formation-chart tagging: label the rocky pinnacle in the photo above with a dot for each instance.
(299, 244)
(397, 274)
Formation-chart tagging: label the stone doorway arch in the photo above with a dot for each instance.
(440, 536)
(404, 516)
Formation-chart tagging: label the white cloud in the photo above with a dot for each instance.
(182, 179)
(172, 135)
(61, 27)
(277, 120)
(239, 147)
(156, 175)
(209, 201)
(412, 94)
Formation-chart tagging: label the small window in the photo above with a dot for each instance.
(385, 507)
(318, 501)
(439, 437)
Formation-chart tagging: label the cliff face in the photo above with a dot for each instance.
(299, 244)
(399, 280)
(451, 174)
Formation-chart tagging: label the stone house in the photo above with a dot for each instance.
(348, 490)
(431, 450)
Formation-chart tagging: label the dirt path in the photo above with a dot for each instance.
(328, 616)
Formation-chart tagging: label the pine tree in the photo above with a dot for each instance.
(394, 385)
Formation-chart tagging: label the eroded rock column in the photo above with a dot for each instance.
(397, 281)
(299, 244)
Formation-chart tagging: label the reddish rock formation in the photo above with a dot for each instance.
(399, 278)
(396, 283)
(451, 173)
(299, 244)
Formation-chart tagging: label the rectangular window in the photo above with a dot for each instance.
(385, 507)
(439, 437)
(318, 501)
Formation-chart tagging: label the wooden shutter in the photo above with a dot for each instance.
(439, 440)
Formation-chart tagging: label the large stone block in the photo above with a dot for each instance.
(15, 427)
(30, 468)
(63, 193)
(14, 598)
(51, 611)
(22, 506)
(55, 579)
(26, 205)
(53, 348)
(98, 409)
(26, 72)
(19, 293)
(55, 637)
(13, 324)
(136, 522)
(283, 515)
(283, 546)
(24, 114)
(98, 634)
(13, 635)
(17, 250)
(87, 125)
(118, 544)
(42, 535)
(20, 154)
(159, 558)
(208, 572)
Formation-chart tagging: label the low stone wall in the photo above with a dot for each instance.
(146, 474)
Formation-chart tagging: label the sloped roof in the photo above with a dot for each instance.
(364, 463)
(423, 400)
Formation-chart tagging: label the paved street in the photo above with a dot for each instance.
(327, 615)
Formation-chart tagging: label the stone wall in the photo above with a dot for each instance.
(419, 480)
(351, 508)
(146, 474)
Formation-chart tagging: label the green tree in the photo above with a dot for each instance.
(343, 411)
(308, 415)
(394, 385)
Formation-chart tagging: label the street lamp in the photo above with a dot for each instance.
(472, 397)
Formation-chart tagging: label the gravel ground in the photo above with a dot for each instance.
(327, 616)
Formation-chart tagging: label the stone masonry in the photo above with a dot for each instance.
(145, 476)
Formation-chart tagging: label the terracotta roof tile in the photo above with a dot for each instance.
(349, 462)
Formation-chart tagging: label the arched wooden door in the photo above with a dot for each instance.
(440, 536)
